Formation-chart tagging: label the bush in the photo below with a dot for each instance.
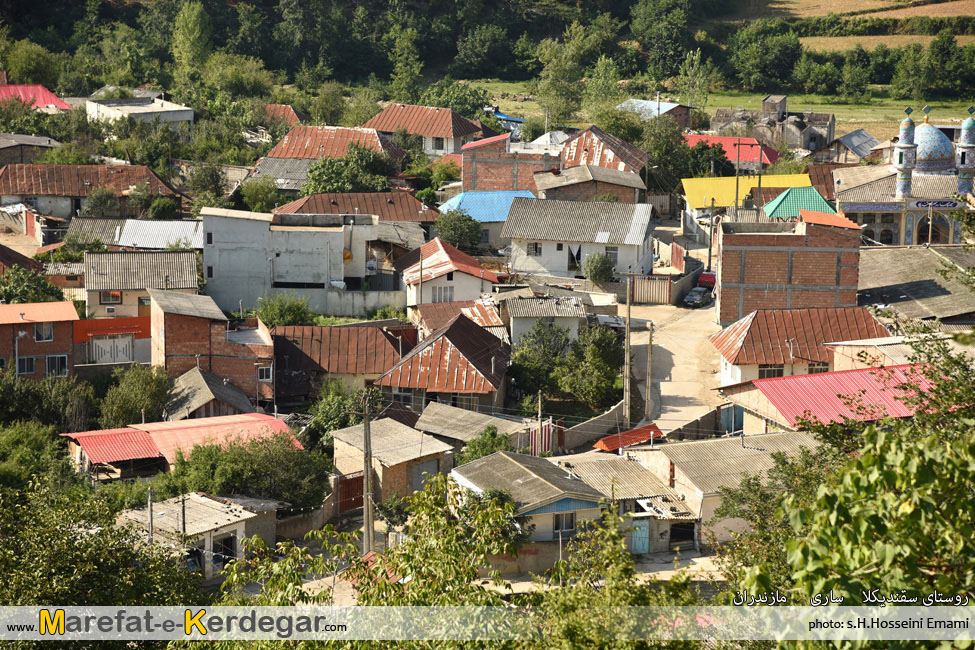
(459, 229)
(101, 203)
(164, 209)
(485, 444)
(284, 309)
(260, 195)
(140, 390)
(598, 268)
(427, 195)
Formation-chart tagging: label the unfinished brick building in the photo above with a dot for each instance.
(785, 266)
(489, 165)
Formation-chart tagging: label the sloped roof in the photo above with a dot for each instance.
(483, 141)
(455, 359)
(78, 180)
(859, 142)
(34, 95)
(764, 336)
(879, 184)
(545, 308)
(339, 349)
(822, 178)
(617, 477)
(462, 424)
(700, 191)
(399, 412)
(429, 121)
(17, 139)
(113, 445)
(788, 204)
(64, 268)
(628, 153)
(330, 142)
(195, 388)
(578, 221)
(636, 436)
(440, 258)
(549, 178)
(437, 314)
(288, 173)
(187, 304)
(106, 231)
(140, 270)
(388, 206)
(532, 482)
(485, 207)
(837, 220)
(159, 235)
(749, 149)
(393, 443)
(9, 257)
(38, 312)
(908, 280)
(183, 435)
(646, 108)
(284, 113)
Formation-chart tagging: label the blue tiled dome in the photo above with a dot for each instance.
(935, 153)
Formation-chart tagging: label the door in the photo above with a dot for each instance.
(350, 492)
(682, 536)
(144, 306)
(112, 349)
(641, 537)
(422, 472)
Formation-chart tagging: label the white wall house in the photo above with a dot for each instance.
(141, 109)
(555, 237)
(442, 129)
(521, 314)
(448, 275)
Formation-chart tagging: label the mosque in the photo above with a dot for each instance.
(913, 200)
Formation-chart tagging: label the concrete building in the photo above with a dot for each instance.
(521, 314)
(117, 284)
(773, 124)
(587, 182)
(439, 272)
(23, 149)
(140, 109)
(343, 264)
(37, 338)
(442, 129)
(555, 237)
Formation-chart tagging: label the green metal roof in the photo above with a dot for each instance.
(788, 204)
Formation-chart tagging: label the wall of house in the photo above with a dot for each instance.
(852, 357)
(450, 145)
(521, 326)
(556, 262)
(587, 149)
(587, 191)
(129, 306)
(494, 238)
(732, 374)
(754, 424)
(238, 531)
(466, 287)
(535, 557)
(21, 154)
(54, 206)
(264, 525)
(721, 531)
(396, 480)
(110, 113)
(543, 524)
(347, 458)
(487, 169)
(63, 344)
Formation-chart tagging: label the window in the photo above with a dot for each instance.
(564, 523)
(110, 297)
(31, 201)
(264, 373)
(57, 365)
(25, 366)
(43, 332)
(817, 367)
(613, 254)
(485, 235)
(869, 217)
(558, 247)
(72, 278)
(887, 218)
(767, 370)
(963, 157)
(886, 236)
(534, 249)
(209, 271)
(145, 301)
(209, 238)
(443, 294)
(403, 396)
(900, 157)
(3, 365)
(450, 276)
(869, 235)
(438, 144)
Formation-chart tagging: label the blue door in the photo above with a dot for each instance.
(641, 537)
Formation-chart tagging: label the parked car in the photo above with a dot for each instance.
(697, 297)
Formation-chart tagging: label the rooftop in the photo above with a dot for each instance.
(340, 350)
(393, 442)
(548, 179)
(9, 257)
(621, 150)
(859, 142)
(877, 183)
(187, 304)
(822, 178)
(788, 204)
(902, 350)
(16, 139)
(440, 258)
(195, 388)
(837, 220)
(485, 207)
(745, 149)
(129, 271)
(78, 180)
(615, 477)
(908, 280)
(435, 315)
(461, 424)
(388, 206)
(284, 113)
(34, 95)
(428, 121)
(319, 142)
(483, 141)
(637, 436)
(183, 435)
(545, 308)
(700, 191)
(192, 514)
(647, 108)
(37, 312)
(113, 445)
(579, 221)
(288, 173)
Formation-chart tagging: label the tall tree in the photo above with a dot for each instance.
(404, 84)
(668, 153)
(602, 89)
(560, 81)
(911, 74)
(360, 170)
(139, 396)
(22, 285)
(694, 79)
(459, 229)
(660, 26)
(191, 38)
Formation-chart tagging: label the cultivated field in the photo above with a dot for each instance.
(940, 10)
(753, 9)
(842, 43)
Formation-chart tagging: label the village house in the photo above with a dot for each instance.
(140, 109)
(9, 258)
(67, 275)
(343, 264)
(102, 342)
(199, 394)
(23, 149)
(521, 315)
(774, 124)
(431, 316)
(37, 338)
(403, 458)
(596, 147)
(851, 147)
(308, 357)
(61, 190)
(788, 205)
(496, 164)
(189, 331)
(748, 155)
(442, 129)
(439, 272)
(888, 351)
(457, 426)
(284, 114)
(589, 183)
(782, 342)
(490, 209)
(387, 206)
(461, 364)
(35, 95)
(647, 109)
(117, 284)
(555, 237)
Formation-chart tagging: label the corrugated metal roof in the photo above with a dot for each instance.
(462, 357)
(822, 178)
(34, 95)
(545, 308)
(788, 204)
(636, 436)
(646, 108)
(388, 206)
(748, 149)
(64, 268)
(9, 258)
(483, 141)
(909, 280)
(440, 258)
(859, 142)
(338, 350)
(405, 234)
(461, 424)
(596, 147)
(78, 180)
(429, 121)
(876, 183)
(393, 443)
(699, 191)
(789, 335)
(837, 220)
(288, 173)
(435, 315)
(317, 142)
(285, 114)
(187, 304)
(113, 445)
(140, 270)
(38, 312)
(194, 514)
(724, 462)
(485, 207)
(106, 231)
(578, 221)
(183, 435)
(16, 139)
(824, 396)
(549, 178)
(195, 388)
(159, 235)
(615, 476)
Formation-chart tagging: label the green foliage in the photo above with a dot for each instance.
(535, 356)
(394, 511)
(192, 36)
(237, 75)
(207, 179)
(764, 53)
(485, 444)
(261, 194)
(459, 229)
(465, 98)
(387, 312)
(30, 63)
(329, 106)
(709, 160)
(62, 402)
(360, 170)
(531, 129)
(623, 124)
(694, 79)
(284, 309)
(443, 171)
(163, 208)
(337, 408)
(404, 84)
(22, 285)
(589, 370)
(29, 450)
(484, 51)
(140, 389)
(598, 268)
(668, 154)
(101, 202)
(853, 87)
(74, 249)
(660, 26)
(606, 198)
(813, 77)
(67, 154)
(427, 195)
(602, 88)
(559, 87)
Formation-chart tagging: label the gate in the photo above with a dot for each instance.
(350, 491)
(115, 348)
(651, 289)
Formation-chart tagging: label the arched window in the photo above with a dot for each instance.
(868, 237)
(886, 236)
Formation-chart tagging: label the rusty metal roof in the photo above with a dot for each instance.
(430, 121)
(461, 357)
(440, 258)
(388, 206)
(822, 178)
(338, 350)
(284, 113)
(113, 445)
(183, 435)
(764, 336)
(437, 314)
(636, 436)
(78, 180)
(330, 142)
(9, 257)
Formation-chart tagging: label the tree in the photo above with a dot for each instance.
(237, 75)
(560, 81)
(100, 203)
(360, 170)
(531, 129)
(602, 89)
(668, 156)
(329, 107)
(535, 355)
(261, 194)
(709, 160)
(484, 51)
(207, 179)
(944, 58)
(694, 79)
(911, 74)
(598, 268)
(853, 88)
(443, 171)
(68, 153)
(191, 38)
(589, 370)
(486, 443)
(28, 451)
(337, 408)
(140, 395)
(660, 26)
(30, 63)
(394, 512)
(75, 245)
(361, 108)
(764, 53)
(404, 84)
(163, 208)
(459, 96)
(20, 285)
(284, 309)
(459, 229)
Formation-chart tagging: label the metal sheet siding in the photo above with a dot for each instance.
(343, 350)
(429, 121)
(330, 142)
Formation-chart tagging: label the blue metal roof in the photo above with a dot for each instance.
(508, 118)
(485, 206)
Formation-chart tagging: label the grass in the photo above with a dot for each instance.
(841, 43)
(939, 10)
(754, 9)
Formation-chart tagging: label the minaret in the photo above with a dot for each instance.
(965, 154)
(905, 155)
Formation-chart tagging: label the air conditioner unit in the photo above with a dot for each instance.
(110, 310)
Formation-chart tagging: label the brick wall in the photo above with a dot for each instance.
(587, 149)
(814, 266)
(63, 343)
(587, 191)
(485, 169)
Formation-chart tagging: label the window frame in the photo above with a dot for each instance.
(439, 144)
(103, 294)
(58, 372)
(43, 340)
(209, 239)
(209, 272)
(771, 370)
(534, 249)
(559, 520)
(33, 365)
(612, 253)
(267, 372)
(817, 367)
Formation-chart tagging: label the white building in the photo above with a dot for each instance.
(448, 275)
(442, 129)
(555, 237)
(141, 109)
(521, 314)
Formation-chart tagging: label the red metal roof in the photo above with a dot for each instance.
(330, 142)
(837, 220)
(824, 396)
(628, 438)
(38, 312)
(455, 359)
(284, 113)
(440, 258)
(430, 121)
(484, 141)
(34, 95)
(388, 206)
(113, 445)
(596, 147)
(767, 193)
(437, 314)
(357, 350)
(456, 158)
(764, 336)
(50, 247)
(78, 180)
(749, 147)
(137, 325)
(183, 435)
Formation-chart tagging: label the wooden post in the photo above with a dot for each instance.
(150, 516)
(648, 411)
(626, 358)
(367, 522)
(539, 439)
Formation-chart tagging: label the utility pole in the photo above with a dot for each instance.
(419, 290)
(150, 515)
(182, 519)
(626, 357)
(539, 420)
(370, 529)
(648, 411)
(711, 233)
(737, 165)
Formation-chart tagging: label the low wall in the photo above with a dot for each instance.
(336, 302)
(681, 287)
(594, 429)
(297, 526)
(701, 428)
